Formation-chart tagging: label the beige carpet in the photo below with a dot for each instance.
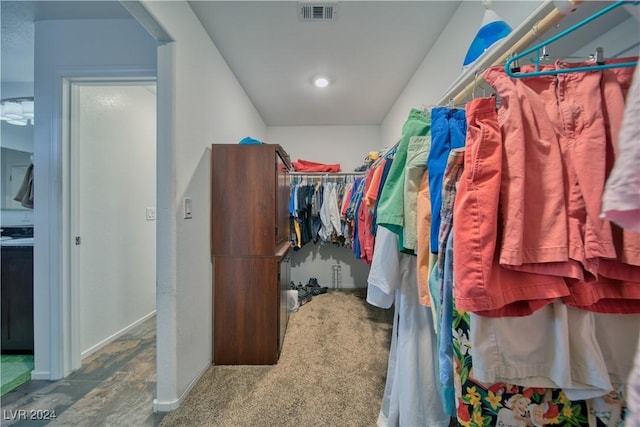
(331, 372)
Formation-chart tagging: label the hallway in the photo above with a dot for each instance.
(115, 386)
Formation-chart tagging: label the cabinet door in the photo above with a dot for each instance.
(246, 300)
(243, 198)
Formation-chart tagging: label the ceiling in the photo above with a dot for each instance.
(369, 52)
(17, 22)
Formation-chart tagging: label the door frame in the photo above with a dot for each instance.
(73, 283)
(75, 213)
(57, 331)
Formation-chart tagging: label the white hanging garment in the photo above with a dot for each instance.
(621, 198)
(411, 395)
(329, 213)
(559, 350)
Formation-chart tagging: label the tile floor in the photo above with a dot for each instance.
(114, 387)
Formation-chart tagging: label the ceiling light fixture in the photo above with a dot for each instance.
(17, 111)
(321, 82)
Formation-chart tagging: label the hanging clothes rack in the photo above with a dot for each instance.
(509, 69)
(545, 17)
(329, 174)
(296, 177)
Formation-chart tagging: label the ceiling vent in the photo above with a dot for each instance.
(319, 12)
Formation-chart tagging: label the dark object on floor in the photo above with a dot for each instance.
(318, 291)
(305, 298)
(304, 295)
(315, 288)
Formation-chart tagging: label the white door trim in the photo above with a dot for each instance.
(87, 224)
(57, 343)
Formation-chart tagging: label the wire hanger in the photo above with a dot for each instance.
(512, 68)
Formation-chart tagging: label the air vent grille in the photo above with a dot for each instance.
(317, 12)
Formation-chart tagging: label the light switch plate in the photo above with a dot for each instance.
(188, 213)
(151, 214)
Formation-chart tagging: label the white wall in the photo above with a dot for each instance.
(200, 103)
(16, 137)
(348, 146)
(620, 42)
(16, 89)
(443, 63)
(316, 260)
(67, 49)
(114, 142)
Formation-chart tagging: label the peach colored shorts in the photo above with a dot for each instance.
(560, 141)
(480, 284)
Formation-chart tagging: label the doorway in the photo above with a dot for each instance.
(112, 202)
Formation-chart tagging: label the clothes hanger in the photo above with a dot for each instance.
(477, 90)
(384, 155)
(512, 69)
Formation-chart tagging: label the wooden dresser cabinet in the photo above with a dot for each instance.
(250, 252)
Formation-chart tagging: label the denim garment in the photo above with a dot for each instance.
(445, 347)
(449, 130)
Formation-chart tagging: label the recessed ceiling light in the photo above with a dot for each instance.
(321, 82)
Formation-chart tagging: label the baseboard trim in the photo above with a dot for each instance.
(115, 336)
(41, 375)
(169, 406)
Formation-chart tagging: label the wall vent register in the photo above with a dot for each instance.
(317, 11)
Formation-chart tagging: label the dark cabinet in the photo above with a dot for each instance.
(249, 247)
(250, 199)
(17, 299)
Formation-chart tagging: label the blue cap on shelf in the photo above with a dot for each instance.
(249, 140)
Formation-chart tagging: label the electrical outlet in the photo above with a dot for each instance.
(151, 214)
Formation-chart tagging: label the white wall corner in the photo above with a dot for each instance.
(170, 405)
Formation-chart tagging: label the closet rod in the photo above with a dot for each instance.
(327, 173)
(545, 17)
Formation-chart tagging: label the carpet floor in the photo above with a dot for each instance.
(15, 370)
(331, 372)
